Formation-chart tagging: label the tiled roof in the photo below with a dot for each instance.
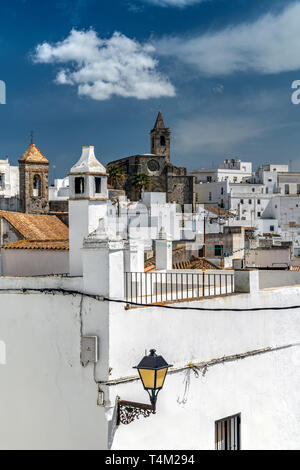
(33, 155)
(37, 227)
(38, 245)
(218, 210)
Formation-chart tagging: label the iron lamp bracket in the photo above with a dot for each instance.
(128, 411)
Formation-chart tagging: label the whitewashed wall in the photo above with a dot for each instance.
(34, 262)
(262, 388)
(48, 400)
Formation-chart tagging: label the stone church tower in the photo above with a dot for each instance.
(160, 138)
(33, 171)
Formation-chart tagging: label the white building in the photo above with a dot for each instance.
(87, 202)
(233, 171)
(69, 343)
(69, 354)
(59, 191)
(9, 186)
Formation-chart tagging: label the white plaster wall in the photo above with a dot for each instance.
(84, 218)
(47, 399)
(264, 388)
(268, 258)
(34, 262)
(11, 179)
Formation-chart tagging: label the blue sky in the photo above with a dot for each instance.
(90, 72)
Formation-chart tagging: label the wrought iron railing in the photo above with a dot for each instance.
(156, 287)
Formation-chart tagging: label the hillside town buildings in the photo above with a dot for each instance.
(213, 289)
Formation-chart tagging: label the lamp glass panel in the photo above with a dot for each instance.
(160, 377)
(147, 377)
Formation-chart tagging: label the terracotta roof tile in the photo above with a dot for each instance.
(218, 210)
(38, 245)
(33, 154)
(37, 227)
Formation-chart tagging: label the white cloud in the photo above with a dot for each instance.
(269, 45)
(174, 3)
(102, 68)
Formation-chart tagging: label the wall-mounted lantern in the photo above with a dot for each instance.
(152, 371)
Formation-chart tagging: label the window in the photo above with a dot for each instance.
(1, 181)
(272, 228)
(218, 250)
(79, 185)
(222, 203)
(250, 201)
(36, 185)
(253, 190)
(222, 191)
(97, 184)
(267, 190)
(208, 178)
(227, 433)
(270, 180)
(298, 188)
(258, 201)
(258, 214)
(162, 140)
(287, 189)
(242, 201)
(209, 196)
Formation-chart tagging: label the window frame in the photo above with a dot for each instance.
(98, 182)
(78, 180)
(221, 425)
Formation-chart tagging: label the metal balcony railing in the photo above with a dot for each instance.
(157, 287)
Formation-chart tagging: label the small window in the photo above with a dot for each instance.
(208, 178)
(298, 188)
(79, 185)
(218, 250)
(287, 189)
(242, 201)
(222, 203)
(97, 185)
(258, 201)
(227, 433)
(222, 191)
(267, 190)
(272, 228)
(1, 181)
(253, 190)
(275, 206)
(36, 185)
(209, 196)
(250, 201)
(258, 214)
(162, 140)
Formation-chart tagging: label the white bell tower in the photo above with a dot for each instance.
(87, 203)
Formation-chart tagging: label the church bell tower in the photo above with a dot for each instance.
(160, 138)
(33, 175)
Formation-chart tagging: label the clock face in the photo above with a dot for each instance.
(153, 165)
